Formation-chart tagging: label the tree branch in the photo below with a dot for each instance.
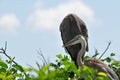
(109, 43)
(3, 50)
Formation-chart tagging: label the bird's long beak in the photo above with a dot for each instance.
(71, 42)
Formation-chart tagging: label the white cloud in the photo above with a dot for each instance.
(50, 18)
(8, 23)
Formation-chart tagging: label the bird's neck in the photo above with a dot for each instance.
(81, 52)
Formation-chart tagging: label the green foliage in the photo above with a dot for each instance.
(64, 69)
(61, 69)
(10, 71)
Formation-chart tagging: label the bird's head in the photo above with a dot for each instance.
(77, 39)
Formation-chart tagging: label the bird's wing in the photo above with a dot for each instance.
(83, 29)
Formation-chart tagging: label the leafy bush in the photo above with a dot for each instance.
(61, 69)
(10, 71)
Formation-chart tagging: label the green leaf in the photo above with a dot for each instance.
(27, 69)
(115, 63)
(59, 56)
(65, 58)
(108, 59)
(10, 77)
(45, 68)
(112, 54)
(13, 70)
(102, 74)
(2, 70)
(3, 76)
(3, 64)
(18, 67)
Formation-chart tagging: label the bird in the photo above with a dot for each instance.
(71, 26)
(74, 35)
(91, 62)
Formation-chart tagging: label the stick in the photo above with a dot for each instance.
(105, 49)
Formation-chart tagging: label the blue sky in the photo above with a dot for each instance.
(30, 25)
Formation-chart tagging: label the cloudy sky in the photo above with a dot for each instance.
(32, 25)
